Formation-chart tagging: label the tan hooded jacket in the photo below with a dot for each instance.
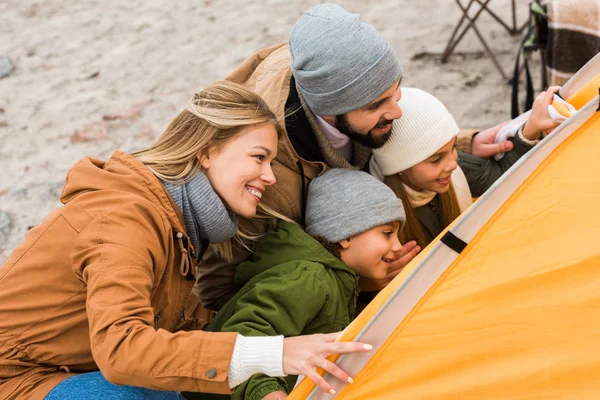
(102, 284)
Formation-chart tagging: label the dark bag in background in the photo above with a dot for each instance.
(535, 40)
(566, 36)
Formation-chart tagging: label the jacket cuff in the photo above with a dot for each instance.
(523, 139)
(522, 145)
(256, 355)
(213, 361)
(464, 139)
(264, 388)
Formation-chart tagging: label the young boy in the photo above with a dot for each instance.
(299, 282)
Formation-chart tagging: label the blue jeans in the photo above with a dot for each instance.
(93, 386)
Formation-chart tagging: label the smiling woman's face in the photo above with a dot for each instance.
(240, 170)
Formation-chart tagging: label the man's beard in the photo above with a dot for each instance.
(369, 140)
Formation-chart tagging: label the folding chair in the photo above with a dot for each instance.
(459, 30)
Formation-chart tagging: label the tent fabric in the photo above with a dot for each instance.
(517, 313)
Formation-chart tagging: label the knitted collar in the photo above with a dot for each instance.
(204, 213)
(418, 198)
(461, 188)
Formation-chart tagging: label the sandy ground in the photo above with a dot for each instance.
(94, 76)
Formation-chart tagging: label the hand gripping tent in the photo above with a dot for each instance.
(506, 303)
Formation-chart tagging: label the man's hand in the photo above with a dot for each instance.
(483, 144)
(403, 257)
(276, 396)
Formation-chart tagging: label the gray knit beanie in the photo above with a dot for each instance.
(340, 63)
(342, 203)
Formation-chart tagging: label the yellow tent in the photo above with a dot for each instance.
(506, 303)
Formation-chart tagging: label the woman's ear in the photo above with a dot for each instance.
(345, 244)
(204, 162)
(204, 159)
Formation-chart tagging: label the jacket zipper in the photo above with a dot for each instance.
(157, 318)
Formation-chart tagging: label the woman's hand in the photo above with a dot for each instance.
(279, 395)
(303, 354)
(540, 121)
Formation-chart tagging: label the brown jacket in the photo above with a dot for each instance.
(101, 284)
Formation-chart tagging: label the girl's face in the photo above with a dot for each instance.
(369, 254)
(435, 172)
(240, 170)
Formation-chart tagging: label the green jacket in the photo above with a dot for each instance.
(291, 286)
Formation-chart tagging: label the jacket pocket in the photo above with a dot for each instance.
(194, 315)
(157, 316)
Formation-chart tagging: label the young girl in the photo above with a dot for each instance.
(299, 282)
(421, 165)
(95, 303)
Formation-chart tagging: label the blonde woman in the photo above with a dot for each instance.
(96, 302)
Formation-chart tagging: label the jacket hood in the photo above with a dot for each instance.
(122, 173)
(288, 242)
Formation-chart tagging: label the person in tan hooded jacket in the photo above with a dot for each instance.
(97, 302)
(336, 83)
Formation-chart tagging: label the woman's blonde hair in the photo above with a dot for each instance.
(413, 230)
(215, 116)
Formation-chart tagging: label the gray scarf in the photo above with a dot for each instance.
(204, 213)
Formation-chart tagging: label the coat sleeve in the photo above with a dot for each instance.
(121, 257)
(278, 305)
(481, 173)
(464, 139)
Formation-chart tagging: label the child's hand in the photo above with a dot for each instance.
(275, 396)
(540, 121)
(402, 258)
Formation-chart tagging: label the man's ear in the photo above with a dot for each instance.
(345, 244)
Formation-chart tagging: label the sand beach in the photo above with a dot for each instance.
(94, 76)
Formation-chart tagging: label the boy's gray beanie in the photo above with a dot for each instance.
(340, 63)
(342, 203)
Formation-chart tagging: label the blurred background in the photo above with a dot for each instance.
(90, 77)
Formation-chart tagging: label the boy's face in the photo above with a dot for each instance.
(369, 254)
(434, 173)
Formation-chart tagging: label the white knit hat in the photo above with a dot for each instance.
(425, 127)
